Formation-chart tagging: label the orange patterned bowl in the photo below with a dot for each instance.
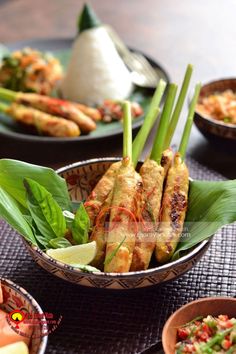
(17, 298)
(81, 177)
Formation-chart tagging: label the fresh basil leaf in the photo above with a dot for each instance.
(59, 242)
(69, 217)
(43, 242)
(44, 210)
(11, 213)
(12, 173)
(80, 226)
(85, 268)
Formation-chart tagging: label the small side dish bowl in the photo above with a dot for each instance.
(215, 130)
(81, 177)
(15, 297)
(214, 306)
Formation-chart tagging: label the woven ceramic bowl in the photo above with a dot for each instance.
(214, 306)
(216, 131)
(81, 177)
(15, 297)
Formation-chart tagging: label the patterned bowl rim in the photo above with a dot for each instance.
(192, 254)
(34, 303)
(211, 120)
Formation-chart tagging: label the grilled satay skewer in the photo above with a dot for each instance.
(44, 123)
(99, 233)
(153, 175)
(104, 186)
(93, 113)
(175, 198)
(122, 230)
(51, 105)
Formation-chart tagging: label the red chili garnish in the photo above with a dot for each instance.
(91, 204)
(223, 317)
(183, 333)
(151, 192)
(228, 324)
(103, 212)
(92, 195)
(204, 336)
(226, 344)
(206, 328)
(145, 224)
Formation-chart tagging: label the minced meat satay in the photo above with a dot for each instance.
(99, 233)
(153, 178)
(153, 175)
(175, 199)
(101, 228)
(101, 191)
(122, 228)
(122, 224)
(45, 124)
(57, 107)
(174, 207)
(51, 105)
(93, 113)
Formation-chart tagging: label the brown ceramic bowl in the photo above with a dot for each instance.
(202, 307)
(216, 131)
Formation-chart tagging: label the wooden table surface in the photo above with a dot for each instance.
(173, 32)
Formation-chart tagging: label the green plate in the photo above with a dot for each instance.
(11, 133)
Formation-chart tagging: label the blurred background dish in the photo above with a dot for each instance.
(216, 112)
(15, 142)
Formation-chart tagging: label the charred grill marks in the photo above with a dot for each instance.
(178, 204)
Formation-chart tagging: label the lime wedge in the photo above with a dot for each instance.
(15, 348)
(80, 254)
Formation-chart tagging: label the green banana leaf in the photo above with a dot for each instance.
(13, 172)
(211, 206)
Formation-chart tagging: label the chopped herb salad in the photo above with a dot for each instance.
(208, 335)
